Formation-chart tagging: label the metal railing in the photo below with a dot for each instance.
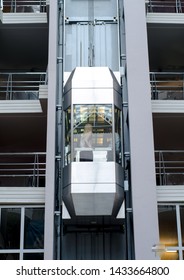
(167, 85)
(18, 86)
(169, 166)
(22, 169)
(165, 6)
(24, 6)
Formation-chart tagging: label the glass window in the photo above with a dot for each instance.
(10, 228)
(33, 256)
(172, 255)
(92, 133)
(117, 121)
(9, 256)
(15, 221)
(182, 223)
(34, 228)
(68, 136)
(167, 225)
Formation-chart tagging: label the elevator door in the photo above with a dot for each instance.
(94, 246)
(91, 45)
(91, 34)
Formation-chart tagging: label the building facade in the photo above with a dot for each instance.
(91, 146)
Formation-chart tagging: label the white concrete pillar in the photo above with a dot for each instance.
(145, 218)
(51, 120)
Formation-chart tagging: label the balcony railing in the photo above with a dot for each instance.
(24, 6)
(167, 85)
(22, 169)
(169, 167)
(165, 6)
(16, 86)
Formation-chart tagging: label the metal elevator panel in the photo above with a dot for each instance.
(94, 246)
(90, 8)
(101, 50)
(91, 34)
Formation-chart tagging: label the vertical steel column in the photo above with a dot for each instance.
(128, 200)
(91, 33)
(59, 134)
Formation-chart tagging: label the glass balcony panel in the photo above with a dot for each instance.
(169, 167)
(21, 86)
(167, 86)
(165, 6)
(22, 169)
(23, 6)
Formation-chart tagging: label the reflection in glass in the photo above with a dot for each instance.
(10, 228)
(9, 256)
(34, 228)
(173, 255)
(33, 256)
(92, 132)
(117, 120)
(167, 225)
(182, 223)
(68, 136)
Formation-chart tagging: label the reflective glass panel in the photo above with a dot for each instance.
(117, 121)
(9, 256)
(172, 255)
(33, 256)
(167, 225)
(92, 133)
(10, 228)
(34, 228)
(182, 223)
(68, 136)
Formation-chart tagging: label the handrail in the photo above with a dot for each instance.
(21, 85)
(23, 169)
(167, 85)
(169, 166)
(168, 6)
(23, 6)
